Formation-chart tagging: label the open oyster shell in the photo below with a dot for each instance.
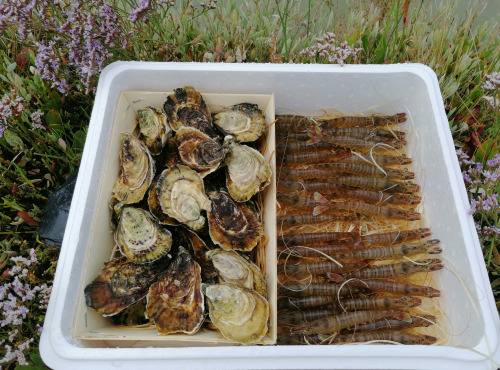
(181, 194)
(238, 270)
(139, 237)
(186, 107)
(239, 313)
(154, 128)
(244, 121)
(198, 151)
(233, 226)
(247, 170)
(120, 284)
(176, 302)
(136, 171)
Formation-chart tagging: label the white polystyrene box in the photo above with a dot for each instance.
(466, 301)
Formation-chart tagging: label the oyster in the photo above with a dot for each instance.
(239, 313)
(136, 171)
(233, 225)
(139, 237)
(176, 302)
(154, 128)
(198, 150)
(239, 270)
(132, 315)
(244, 121)
(200, 250)
(120, 284)
(186, 107)
(247, 170)
(155, 207)
(181, 194)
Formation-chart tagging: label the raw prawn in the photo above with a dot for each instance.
(360, 121)
(402, 337)
(374, 183)
(397, 269)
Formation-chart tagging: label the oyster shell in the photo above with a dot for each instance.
(244, 121)
(247, 170)
(238, 270)
(120, 284)
(136, 171)
(139, 237)
(155, 207)
(239, 313)
(154, 128)
(176, 302)
(200, 250)
(233, 226)
(132, 315)
(186, 107)
(198, 150)
(181, 194)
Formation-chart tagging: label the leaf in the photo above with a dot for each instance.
(27, 218)
(381, 50)
(53, 117)
(79, 140)
(364, 40)
(13, 139)
(11, 67)
(37, 359)
(30, 367)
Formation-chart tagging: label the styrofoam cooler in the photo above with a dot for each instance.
(470, 322)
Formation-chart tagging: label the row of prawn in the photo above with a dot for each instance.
(337, 285)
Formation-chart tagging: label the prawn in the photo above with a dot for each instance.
(374, 183)
(366, 170)
(291, 186)
(377, 197)
(352, 143)
(392, 287)
(308, 219)
(335, 323)
(295, 123)
(416, 322)
(315, 157)
(402, 337)
(360, 121)
(322, 238)
(315, 291)
(397, 237)
(397, 269)
(362, 303)
(303, 268)
(368, 209)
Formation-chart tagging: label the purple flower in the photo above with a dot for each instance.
(326, 48)
(492, 81)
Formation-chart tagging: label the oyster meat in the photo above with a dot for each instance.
(232, 225)
(139, 237)
(120, 284)
(136, 171)
(247, 170)
(181, 195)
(238, 270)
(154, 128)
(239, 313)
(244, 121)
(186, 107)
(198, 150)
(176, 302)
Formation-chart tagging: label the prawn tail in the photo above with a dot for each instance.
(319, 210)
(403, 316)
(320, 198)
(314, 138)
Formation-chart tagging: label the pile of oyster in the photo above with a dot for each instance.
(183, 226)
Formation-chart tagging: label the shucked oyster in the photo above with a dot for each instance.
(154, 128)
(120, 284)
(139, 237)
(176, 302)
(239, 313)
(181, 194)
(136, 171)
(233, 225)
(186, 107)
(247, 170)
(244, 121)
(198, 150)
(239, 270)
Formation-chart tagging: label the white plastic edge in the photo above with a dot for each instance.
(62, 352)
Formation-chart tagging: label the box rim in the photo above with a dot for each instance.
(55, 344)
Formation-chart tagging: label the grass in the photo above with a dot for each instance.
(36, 159)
